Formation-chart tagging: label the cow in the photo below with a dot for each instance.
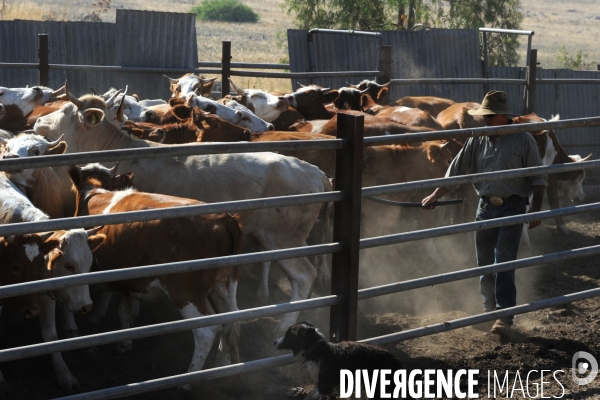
(239, 115)
(212, 178)
(456, 116)
(551, 152)
(26, 99)
(310, 101)
(433, 105)
(133, 110)
(47, 188)
(376, 91)
(163, 241)
(72, 254)
(263, 104)
(190, 83)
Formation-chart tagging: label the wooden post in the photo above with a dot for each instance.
(43, 63)
(225, 68)
(531, 77)
(385, 65)
(346, 227)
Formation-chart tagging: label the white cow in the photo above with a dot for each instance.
(232, 112)
(214, 178)
(190, 83)
(26, 99)
(265, 105)
(133, 110)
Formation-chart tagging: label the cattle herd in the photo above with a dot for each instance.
(38, 121)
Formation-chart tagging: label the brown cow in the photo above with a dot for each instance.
(433, 105)
(376, 91)
(310, 101)
(457, 117)
(163, 241)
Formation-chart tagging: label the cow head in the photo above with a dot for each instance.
(265, 105)
(26, 99)
(121, 108)
(73, 256)
(28, 145)
(190, 83)
(570, 184)
(309, 101)
(97, 176)
(439, 155)
(215, 129)
(374, 89)
(249, 119)
(22, 260)
(349, 99)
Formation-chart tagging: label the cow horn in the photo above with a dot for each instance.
(587, 158)
(364, 91)
(387, 84)
(54, 143)
(113, 170)
(111, 101)
(3, 141)
(93, 231)
(121, 110)
(45, 235)
(171, 79)
(57, 91)
(72, 98)
(301, 85)
(325, 91)
(94, 92)
(210, 80)
(236, 88)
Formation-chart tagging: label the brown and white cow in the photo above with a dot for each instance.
(190, 83)
(310, 101)
(265, 105)
(213, 178)
(163, 241)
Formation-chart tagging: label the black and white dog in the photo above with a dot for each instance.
(324, 360)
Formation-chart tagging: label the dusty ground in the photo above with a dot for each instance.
(545, 339)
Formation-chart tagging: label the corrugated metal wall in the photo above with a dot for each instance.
(138, 39)
(438, 53)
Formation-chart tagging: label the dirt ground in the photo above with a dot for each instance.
(543, 340)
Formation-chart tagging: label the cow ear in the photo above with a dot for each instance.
(60, 148)
(75, 175)
(182, 111)
(49, 245)
(331, 96)
(93, 116)
(433, 152)
(95, 241)
(382, 92)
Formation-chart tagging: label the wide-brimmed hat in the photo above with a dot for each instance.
(494, 102)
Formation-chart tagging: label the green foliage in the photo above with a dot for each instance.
(405, 14)
(579, 61)
(225, 11)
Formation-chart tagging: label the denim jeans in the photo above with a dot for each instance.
(495, 246)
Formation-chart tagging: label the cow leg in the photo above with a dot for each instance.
(100, 307)
(263, 287)
(203, 337)
(69, 324)
(128, 309)
(48, 323)
(225, 301)
(552, 190)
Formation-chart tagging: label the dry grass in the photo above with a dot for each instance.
(575, 23)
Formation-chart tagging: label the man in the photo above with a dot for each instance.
(498, 198)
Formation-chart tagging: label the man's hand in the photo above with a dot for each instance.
(536, 204)
(433, 197)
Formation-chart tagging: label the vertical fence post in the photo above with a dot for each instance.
(531, 77)
(346, 227)
(385, 65)
(43, 65)
(485, 63)
(225, 68)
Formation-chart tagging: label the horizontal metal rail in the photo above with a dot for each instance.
(461, 81)
(576, 81)
(474, 226)
(587, 144)
(513, 31)
(100, 339)
(483, 131)
(475, 272)
(165, 269)
(178, 380)
(299, 75)
(244, 65)
(476, 319)
(166, 213)
(166, 151)
(480, 177)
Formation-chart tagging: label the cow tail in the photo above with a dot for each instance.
(231, 331)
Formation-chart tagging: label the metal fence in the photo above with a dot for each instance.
(345, 245)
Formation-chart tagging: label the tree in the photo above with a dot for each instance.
(405, 14)
(579, 61)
